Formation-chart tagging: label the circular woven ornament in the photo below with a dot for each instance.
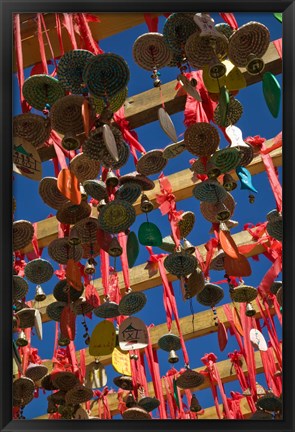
(70, 69)
(201, 139)
(23, 388)
(150, 51)
(273, 216)
(70, 213)
(217, 262)
(145, 183)
(275, 230)
(270, 403)
(151, 162)
(39, 271)
(199, 167)
(32, 127)
(26, 317)
(20, 288)
(200, 52)
(23, 402)
(58, 398)
(82, 307)
(47, 384)
(190, 379)
(61, 251)
(94, 146)
(194, 284)
(227, 159)
(39, 90)
(65, 381)
(136, 413)
(50, 193)
(90, 250)
(243, 294)
(275, 287)
(149, 403)
(129, 191)
(186, 223)
(209, 210)
(177, 29)
(279, 296)
(78, 394)
(123, 155)
(63, 291)
(209, 191)
(247, 155)
(54, 310)
(116, 216)
(84, 168)
(87, 229)
(176, 59)
(234, 113)
(22, 234)
(123, 382)
(211, 295)
(115, 102)
(169, 342)
(225, 29)
(36, 371)
(108, 309)
(180, 264)
(96, 189)
(250, 38)
(132, 303)
(106, 75)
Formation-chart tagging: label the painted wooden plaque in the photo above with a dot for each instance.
(26, 159)
(68, 185)
(103, 339)
(121, 361)
(206, 25)
(96, 376)
(133, 334)
(167, 124)
(257, 340)
(173, 150)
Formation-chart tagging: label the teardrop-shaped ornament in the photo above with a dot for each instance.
(132, 249)
(239, 267)
(149, 234)
(167, 124)
(272, 93)
(110, 142)
(228, 244)
(245, 178)
(278, 16)
(222, 336)
(189, 88)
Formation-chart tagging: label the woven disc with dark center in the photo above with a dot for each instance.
(209, 191)
(211, 295)
(22, 234)
(275, 286)
(58, 398)
(233, 115)
(114, 103)
(39, 90)
(149, 403)
(132, 303)
(71, 213)
(270, 402)
(50, 193)
(177, 29)
(90, 250)
(180, 264)
(61, 251)
(273, 216)
(123, 156)
(227, 159)
(247, 155)
(82, 307)
(250, 38)
(23, 388)
(136, 413)
(54, 310)
(84, 168)
(26, 317)
(109, 309)
(78, 394)
(225, 29)
(116, 216)
(36, 371)
(145, 183)
(20, 288)
(169, 342)
(32, 127)
(129, 191)
(186, 223)
(96, 189)
(201, 139)
(151, 162)
(209, 210)
(190, 379)
(150, 50)
(87, 229)
(94, 146)
(39, 271)
(23, 402)
(275, 230)
(65, 381)
(244, 293)
(200, 52)
(124, 382)
(70, 69)
(63, 291)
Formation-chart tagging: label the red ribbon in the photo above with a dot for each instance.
(122, 238)
(230, 19)
(69, 25)
(278, 45)
(59, 35)
(104, 269)
(85, 33)
(151, 22)
(247, 324)
(236, 360)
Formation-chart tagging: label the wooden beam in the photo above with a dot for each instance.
(182, 184)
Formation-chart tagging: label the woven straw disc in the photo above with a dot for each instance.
(90, 250)
(22, 232)
(70, 69)
(115, 102)
(217, 262)
(84, 168)
(23, 388)
(123, 155)
(176, 60)
(234, 113)
(261, 415)
(78, 394)
(50, 193)
(39, 90)
(201, 139)
(106, 75)
(279, 296)
(270, 402)
(209, 210)
(190, 379)
(96, 189)
(209, 191)
(136, 413)
(250, 38)
(273, 216)
(275, 287)
(129, 191)
(145, 183)
(247, 155)
(132, 303)
(244, 294)
(169, 342)
(211, 295)
(70, 213)
(149, 403)
(275, 230)
(39, 271)
(173, 150)
(199, 167)
(109, 309)
(180, 264)
(23, 402)
(194, 284)
(151, 162)
(87, 229)
(199, 51)
(58, 397)
(150, 50)
(61, 251)
(27, 317)
(63, 291)
(47, 383)
(36, 371)
(226, 159)
(186, 223)
(64, 380)
(94, 146)
(225, 29)
(20, 288)
(116, 216)
(124, 382)
(33, 128)
(54, 310)
(177, 29)
(82, 307)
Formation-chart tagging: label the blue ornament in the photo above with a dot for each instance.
(245, 179)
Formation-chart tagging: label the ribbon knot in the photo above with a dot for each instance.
(209, 359)
(235, 357)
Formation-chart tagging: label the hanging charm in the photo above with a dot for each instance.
(167, 124)
(272, 93)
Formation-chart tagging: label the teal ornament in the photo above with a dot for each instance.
(245, 179)
(278, 16)
(132, 249)
(272, 93)
(223, 104)
(149, 234)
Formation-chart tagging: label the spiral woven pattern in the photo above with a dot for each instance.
(70, 213)
(209, 191)
(82, 307)
(173, 150)
(132, 303)
(150, 50)
(190, 379)
(114, 103)
(47, 383)
(275, 230)
(108, 309)
(273, 216)
(90, 250)
(116, 216)
(270, 402)
(275, 286)
(123, 154)
(94, 146)
(50, 193)
(149, 403)
(136, 413)
(186, 223)
(209, 210)
(61, 251)
(96, 189)
(244, 294)
(84, 168)
(129, 191)
(23, 388)
(177, 29)
(234, 113)
(145, 183)
(32, 127)
(36, 371)
(58, 397)
(70, 69)
(227, 159)
(225, 29)
(201, 139)
(169, 342)
(200, 52)
(106, 75)
(78, 394)
(124, 382)
(54, 310)
(26, 317)
(63, 291)
(23, 402)
(211, 295)
(180, 264)
(22, 234)
(65, 381)
(247, 155)
(87, 229)
(20, 288)
(39, 271)
(279, 296)
(151, 162)
(39, 90)
(250, 38)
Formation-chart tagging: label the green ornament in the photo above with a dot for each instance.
(272, 93)
(223, 104)
(132, 249)
(149, 234)
(175, 388)
(278, 16)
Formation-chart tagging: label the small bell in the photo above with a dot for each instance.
(21, 340)
(195, 405)
(89, 267)
(247, 392)
(83, 193)
(173, 357)
(63, 341)
(70, 142)
(51, 408)
(255, 65)
(115, 249)
(111, 180)
(19, 305)
(222, 212)
(130, 401)
(251, 199)
(188, 247)
(101, 204)
(157, 82)
(217, 69)
(146, 205)
(74, 238)
(250, 311)
(40, 294)
(229, 183)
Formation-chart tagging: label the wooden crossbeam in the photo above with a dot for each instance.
(182, 184)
